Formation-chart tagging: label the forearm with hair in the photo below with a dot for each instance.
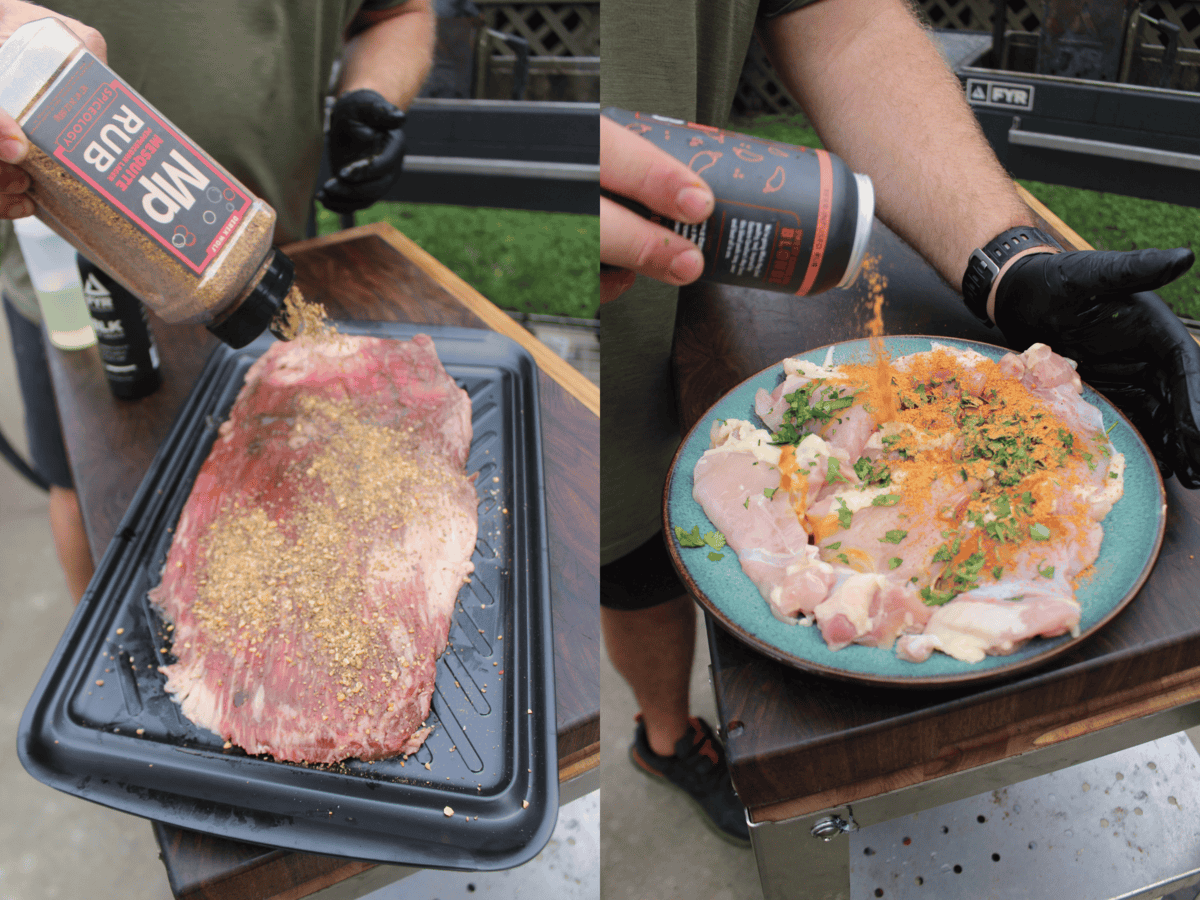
(878, 92)
(390, 52)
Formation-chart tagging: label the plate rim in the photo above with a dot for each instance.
(971, 678)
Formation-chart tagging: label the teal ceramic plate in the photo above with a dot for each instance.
(1133, 534)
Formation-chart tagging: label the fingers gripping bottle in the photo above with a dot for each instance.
(789, 219)
(133, 193)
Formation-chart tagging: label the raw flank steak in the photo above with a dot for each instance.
(313, 574)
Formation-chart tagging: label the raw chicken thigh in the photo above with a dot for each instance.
(939, 502)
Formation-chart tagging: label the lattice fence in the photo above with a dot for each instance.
(552, 29)
(564, 48)
(760, 92)
(976, 15)
(1184, 15)
(1026, 15)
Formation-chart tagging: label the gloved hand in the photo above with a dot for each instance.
(366, 148)
(1095, 307)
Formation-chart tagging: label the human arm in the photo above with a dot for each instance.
(14, 182)
(633, 167)
(390, 52)
(387, 57)
(881, 97)
(876, 89)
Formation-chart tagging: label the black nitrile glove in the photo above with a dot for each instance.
(366, 149)
(1095, 307)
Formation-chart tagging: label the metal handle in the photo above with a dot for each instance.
(462, 165)
(1128, 152)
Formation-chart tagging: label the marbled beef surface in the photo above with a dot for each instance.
(313, 574)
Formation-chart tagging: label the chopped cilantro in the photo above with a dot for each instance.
(894, 536)
(769, 492)
(886, 500)
(934, 597)
(833, 472)
(1003, 530)
(716, 557)
(1039, 532)
(869, 472)
(997, 571)
(813, 402)
(895, 562)
(844, 558)
(836, 545)
(844, 514)
(956, 579)
(947, 552)
(1047, 572)
(713, 539)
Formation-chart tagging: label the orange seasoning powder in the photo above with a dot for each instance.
(881, 382)
(976, 427)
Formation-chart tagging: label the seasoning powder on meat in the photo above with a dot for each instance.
(316, 563)
(953, 505)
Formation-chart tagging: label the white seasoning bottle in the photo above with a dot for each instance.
(128, 189)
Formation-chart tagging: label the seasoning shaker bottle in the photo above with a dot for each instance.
(51, 264)
(127, 348)
(789, 219)
(128, 189)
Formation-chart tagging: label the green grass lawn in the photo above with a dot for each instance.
(1114, 222)
(530, 262)
(1106, 221)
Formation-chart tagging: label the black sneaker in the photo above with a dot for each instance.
(699, 769)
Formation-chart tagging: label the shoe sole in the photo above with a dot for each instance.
(741, 843)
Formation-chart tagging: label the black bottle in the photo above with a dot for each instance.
(122, 329)
(790, 219)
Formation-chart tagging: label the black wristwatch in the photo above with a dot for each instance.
(984, 265)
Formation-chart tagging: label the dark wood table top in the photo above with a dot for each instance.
(367, 273)
(800, 742)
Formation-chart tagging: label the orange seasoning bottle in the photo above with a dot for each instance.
(135, 195)
(790, 219)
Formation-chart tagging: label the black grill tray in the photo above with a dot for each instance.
(493, 749)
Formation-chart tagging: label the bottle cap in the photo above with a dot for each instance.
(261, 305)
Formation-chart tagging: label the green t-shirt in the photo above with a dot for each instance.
(688, 70)
(244, 79)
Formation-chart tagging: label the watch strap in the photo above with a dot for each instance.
(984, 264)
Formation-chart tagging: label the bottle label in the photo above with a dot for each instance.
(99, 129)
(775, 214)
(126, 344)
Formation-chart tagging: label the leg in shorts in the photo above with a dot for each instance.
(47, 452)
(640, 579)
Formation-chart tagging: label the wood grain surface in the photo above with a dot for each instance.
(367, 273)
(800, 742)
